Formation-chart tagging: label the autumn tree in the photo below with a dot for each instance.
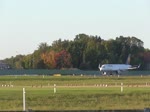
(63, 59)
(49, 59)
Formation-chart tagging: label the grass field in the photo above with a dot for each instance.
(75, 92)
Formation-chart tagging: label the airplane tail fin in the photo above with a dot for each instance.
(139, 65)
(128, 59)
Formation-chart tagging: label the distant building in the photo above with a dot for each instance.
(4, 66)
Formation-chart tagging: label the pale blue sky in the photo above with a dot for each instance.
(24, 24)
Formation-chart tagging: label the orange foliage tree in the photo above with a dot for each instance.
(58, 60)
(49, 59)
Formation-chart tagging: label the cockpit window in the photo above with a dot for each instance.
(103, 66)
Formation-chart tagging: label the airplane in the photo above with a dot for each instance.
(117, 68)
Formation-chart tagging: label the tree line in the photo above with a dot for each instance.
(84, 52)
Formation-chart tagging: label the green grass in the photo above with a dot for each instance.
(70, 80)
(74, 93)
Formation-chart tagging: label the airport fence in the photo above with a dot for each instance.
(62, 72)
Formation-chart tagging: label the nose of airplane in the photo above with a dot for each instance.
(100, 68)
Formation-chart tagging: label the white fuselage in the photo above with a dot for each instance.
(114, 67)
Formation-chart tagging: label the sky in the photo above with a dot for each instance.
(24, 24)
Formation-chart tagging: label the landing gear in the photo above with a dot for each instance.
(104, 73)
(107, 73)
(117, 73)
(111, 73)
